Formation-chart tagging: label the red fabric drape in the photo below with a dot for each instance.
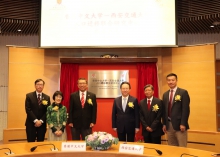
(147, 74)
(68, 83)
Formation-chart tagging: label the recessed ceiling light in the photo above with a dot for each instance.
(19, 30)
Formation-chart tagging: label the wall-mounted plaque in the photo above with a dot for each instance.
(106, 83)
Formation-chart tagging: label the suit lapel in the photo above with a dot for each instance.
(145, 104)
(152, 104)
(176, 93)
(120, 103)
(78, 98)
(146, 107)
(35, 98)
(167, 98)
(129, 100)
(87, 97)
(42, 96)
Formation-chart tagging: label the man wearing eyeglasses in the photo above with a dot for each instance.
(36, 104)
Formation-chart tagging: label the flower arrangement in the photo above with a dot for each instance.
(177, 98)
(155, 108)
(131, 105)
(44, 102)
(89, 101)
(100, 140)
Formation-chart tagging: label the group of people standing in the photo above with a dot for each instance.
(169, 115)
(40, 112)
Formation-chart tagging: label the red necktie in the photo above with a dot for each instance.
(148, 105)
(170, 103)
(38, 99)
(82, 100)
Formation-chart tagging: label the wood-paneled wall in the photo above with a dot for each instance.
(195, 67)
(218, 92)
(25, 66)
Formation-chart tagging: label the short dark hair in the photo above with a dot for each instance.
(172, 74)
(81, 79)
(57, 93)
(38, 80)
(149, 85)
(125, 82)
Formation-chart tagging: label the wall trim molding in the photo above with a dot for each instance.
(108, 60)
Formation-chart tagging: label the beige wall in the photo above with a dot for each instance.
(25, 66)
(195, 67)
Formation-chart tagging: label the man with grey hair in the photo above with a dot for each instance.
(151, 116)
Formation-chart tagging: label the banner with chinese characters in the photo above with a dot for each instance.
(106, 83)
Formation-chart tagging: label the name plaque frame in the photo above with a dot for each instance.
(106, 83)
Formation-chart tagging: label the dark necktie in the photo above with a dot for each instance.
(38, 99)
(148, 105)
(82, 100)
(170, 103)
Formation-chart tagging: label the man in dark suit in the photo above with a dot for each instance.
(36, 104)
(176, 112)
(151, 116)
(83, 110)
(125, 114)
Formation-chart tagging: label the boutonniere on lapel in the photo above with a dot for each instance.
(44, 102)
(155, 108)
(90, 101)
(131, 105)
(177, 98)
(55, 108)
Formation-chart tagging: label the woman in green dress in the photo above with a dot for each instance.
(57, 118)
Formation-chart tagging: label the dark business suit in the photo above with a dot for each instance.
(35, 111)
(127, 121)
(152, 119)
(180, 111)
(82, 117)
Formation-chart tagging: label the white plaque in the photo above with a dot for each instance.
(106, 83)
(131, 149)
(73, 146)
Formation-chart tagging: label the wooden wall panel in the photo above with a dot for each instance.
(218, 80)
(195, 67)
(217, 67)
(25, 66)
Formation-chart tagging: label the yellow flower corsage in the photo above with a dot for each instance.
(55, 108)
(90, 101)
(177, 98)
(44, 102)
(131, 105)
(155, 108)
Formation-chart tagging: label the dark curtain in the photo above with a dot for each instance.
(147, 74)
(68, 83)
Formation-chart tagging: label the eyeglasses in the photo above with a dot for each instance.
(39, 84)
